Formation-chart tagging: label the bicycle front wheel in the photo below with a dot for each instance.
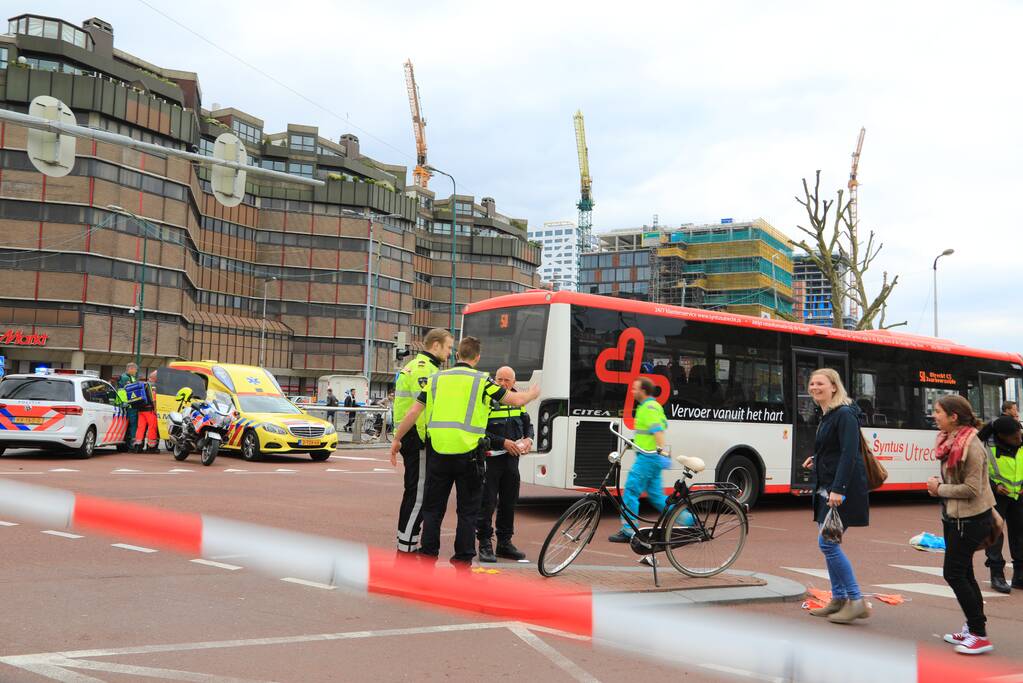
(705, 535)
(570, 534)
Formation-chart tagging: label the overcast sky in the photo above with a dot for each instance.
(694, 111)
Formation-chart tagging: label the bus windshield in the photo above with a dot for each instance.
(510, 336)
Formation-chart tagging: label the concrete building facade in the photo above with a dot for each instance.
(741, 267)
(71, 266)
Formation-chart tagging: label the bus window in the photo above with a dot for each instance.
(510, 336)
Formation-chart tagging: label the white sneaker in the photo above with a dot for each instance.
(957, 638)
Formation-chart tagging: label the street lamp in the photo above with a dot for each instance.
(140, 312)
(262, 325)
(947, 252)
(454, 248)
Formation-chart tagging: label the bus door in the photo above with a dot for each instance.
(807, 416)
(991, 395)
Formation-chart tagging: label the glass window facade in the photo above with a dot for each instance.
(302, 143)
(247, 132)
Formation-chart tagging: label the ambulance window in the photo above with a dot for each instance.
(225, 379)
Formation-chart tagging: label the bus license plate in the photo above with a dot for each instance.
(28, 420)
(309, 442)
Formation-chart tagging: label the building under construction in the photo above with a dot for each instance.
(742, 267)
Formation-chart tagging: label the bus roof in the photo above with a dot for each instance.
(880, 337)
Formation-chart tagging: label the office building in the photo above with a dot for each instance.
(71, 266)
(813, 296)
(560, 243)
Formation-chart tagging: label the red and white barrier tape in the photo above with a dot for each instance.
(724, 642)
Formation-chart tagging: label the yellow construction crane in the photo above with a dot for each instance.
(854, 182)
(585, 204)
(420, 176)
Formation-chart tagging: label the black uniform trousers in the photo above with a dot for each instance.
(442, 472)
(410, 514)
(500, 491)
(1012, 512)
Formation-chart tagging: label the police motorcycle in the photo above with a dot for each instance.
(201, 426)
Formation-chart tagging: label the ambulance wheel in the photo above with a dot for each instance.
(88, 446)
(250, 446)
(320, 456)
(2, 449)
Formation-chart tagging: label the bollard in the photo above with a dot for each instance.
(357, 427)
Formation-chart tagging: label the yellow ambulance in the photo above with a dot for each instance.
(267, 421)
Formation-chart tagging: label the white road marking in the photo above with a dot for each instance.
(142, 672)
(136, 548)
(122, 470)
(933, 571)
(8, 474)
(62, 534)
(63, 469)
(219, 565)
(771, 528)
(8, 524)
(311, 584)
(227, 557)
(558, 659)
(819, 573)
(234, 470)
(937, 590)
(382, 469)
(330, 469)
(178, 469)
(356, 457)
(281, 469)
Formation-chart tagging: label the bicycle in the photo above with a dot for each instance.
(696, 525)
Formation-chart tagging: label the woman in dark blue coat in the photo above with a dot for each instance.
(842, 484)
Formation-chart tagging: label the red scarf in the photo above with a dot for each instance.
(950, 447)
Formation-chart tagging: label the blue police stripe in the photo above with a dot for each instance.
(21, 427)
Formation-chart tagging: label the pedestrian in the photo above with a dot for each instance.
(332, 399)
(511, 435)
(967, 501)
(457, 404)
(645, 475)
(411, 381)
(350, 403)
(147, 435)
(129, 376)
(841, 485)
(1005, 470)
(1009, 409)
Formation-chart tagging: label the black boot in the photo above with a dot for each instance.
(508, 551)
(998, 581)
(487, 552)
(1017, 576)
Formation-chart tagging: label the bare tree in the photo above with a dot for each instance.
(836, 250)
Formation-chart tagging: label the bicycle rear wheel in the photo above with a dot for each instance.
(569, 536)
(705, 535)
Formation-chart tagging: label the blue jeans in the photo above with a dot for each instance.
(843, 581)
(645, 476)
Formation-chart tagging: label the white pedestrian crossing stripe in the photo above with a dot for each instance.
(937, 590)
(933, 571)
(819, 573)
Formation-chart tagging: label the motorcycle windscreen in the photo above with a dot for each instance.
(169, 382)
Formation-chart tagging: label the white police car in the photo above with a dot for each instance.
(59, 409)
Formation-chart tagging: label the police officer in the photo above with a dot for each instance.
(511, 434)
(410, 383)
(456, 403)
(1005, 467)
(129, 376)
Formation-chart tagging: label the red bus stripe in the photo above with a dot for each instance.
(178, 531)
(875, 337)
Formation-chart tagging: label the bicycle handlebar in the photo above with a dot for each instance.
(611, 426)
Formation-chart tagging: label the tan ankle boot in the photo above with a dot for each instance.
(850, 612)
(834, 606)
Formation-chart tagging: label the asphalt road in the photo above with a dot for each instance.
(159, 615)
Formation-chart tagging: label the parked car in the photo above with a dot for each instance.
(60, 410)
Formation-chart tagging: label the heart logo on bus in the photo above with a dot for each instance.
(630, 337)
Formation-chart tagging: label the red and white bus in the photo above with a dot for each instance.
(733, 386)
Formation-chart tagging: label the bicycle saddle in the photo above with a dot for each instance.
(695, 464)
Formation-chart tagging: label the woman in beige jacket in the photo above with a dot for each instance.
(967, 500)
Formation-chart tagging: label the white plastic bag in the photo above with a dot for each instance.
(832, 529)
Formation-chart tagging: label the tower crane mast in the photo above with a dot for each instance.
(420, 176)
(585, 203)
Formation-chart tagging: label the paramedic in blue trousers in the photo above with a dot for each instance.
(129, 376)
(511, 435)
(456, 404)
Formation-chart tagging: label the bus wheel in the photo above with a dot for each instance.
(741, 471)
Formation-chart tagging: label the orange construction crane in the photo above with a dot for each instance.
(420, 176)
